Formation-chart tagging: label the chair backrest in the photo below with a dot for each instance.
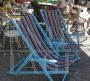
(54, 23)
(29, 29)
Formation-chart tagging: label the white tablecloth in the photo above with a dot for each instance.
(11, 33)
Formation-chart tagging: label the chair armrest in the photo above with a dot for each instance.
(57, 40)
(60, 43)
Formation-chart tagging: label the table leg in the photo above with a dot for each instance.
(11, 53)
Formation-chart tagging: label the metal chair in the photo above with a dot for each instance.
(30, 31)
(57, 31)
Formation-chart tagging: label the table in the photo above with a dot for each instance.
(11, 34)
(77, 37)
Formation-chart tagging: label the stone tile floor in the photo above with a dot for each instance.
(80, 71)
(83, 66)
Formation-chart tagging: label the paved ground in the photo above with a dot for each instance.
(80, 71)
(83, 66)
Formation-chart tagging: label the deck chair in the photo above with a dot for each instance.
(40, 53)
(56, 30)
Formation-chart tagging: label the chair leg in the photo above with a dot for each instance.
(64, 77)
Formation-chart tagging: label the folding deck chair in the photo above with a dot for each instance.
(56, 30)
(40, 53)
